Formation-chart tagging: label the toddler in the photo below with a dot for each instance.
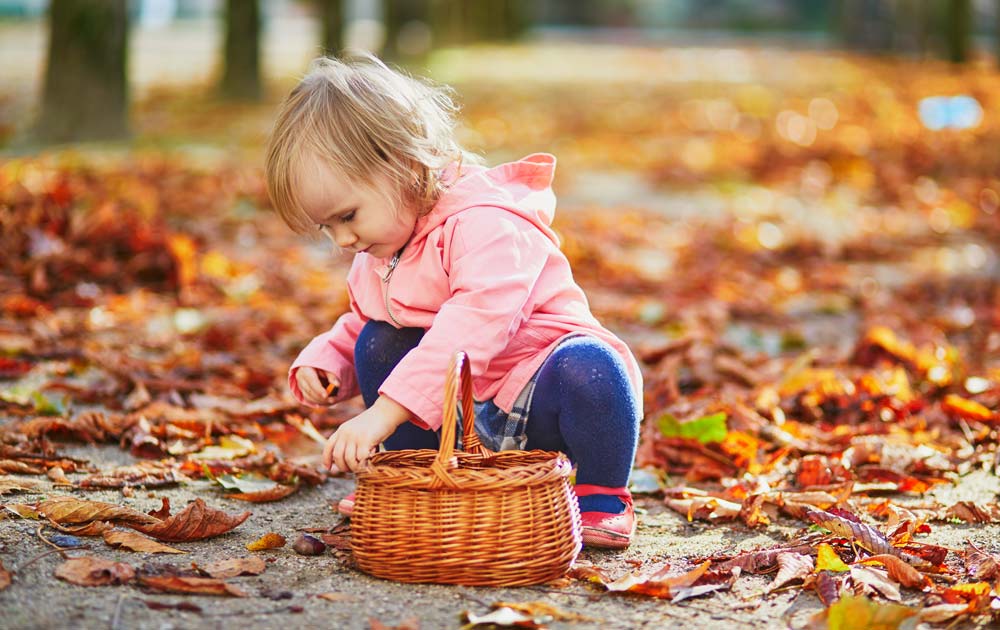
(448, 255)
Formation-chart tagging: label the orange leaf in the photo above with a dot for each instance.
(900, 571)
(134, 541)
(90, 571)
(957, 406)
(5, 577)
(196, 522)
(201, 586)
(269, 540)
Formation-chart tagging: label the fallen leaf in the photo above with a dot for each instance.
(972, 513)
(981, 565)
(70, 510)
(134, 541)
(269, 540)
(181, 584)
(959, 407)
(943, 612)
(58, 476)
(828, 560)
(94, 528)
(791, 566)
(5, 577)
(276, 493)
(17, 485)
(874, 580)
(705, 429)
(901, 571)
(857, 612)
(538, 610)
(235, 566)
(828, 586)
(196, 522)
(502, 617)
(91, 571)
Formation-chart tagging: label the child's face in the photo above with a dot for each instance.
(356, 217)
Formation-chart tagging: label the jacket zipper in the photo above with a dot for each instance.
(385, 281)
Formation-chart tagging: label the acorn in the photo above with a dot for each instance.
(307, 545)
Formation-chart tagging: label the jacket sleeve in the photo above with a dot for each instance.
(333, 352)
(494, 260)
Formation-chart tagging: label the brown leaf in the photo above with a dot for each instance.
(91, 571)
(269, 540)
(901, 571)
(981, 565)
(5, 577)
(58, 476)
(222, 569)
(201, 586)
(94, 528)
(877, 580)
(196, 522)
(276, 493)
(828, 587)
(972, 513)
(164, 511)
(791, 566)
(70, 510)
(134, 541)
(752, 513)
(16, 485)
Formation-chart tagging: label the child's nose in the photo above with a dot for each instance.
(344, 238)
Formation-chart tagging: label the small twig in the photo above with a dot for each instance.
(238, 613)
(473, 598)
(118, 612)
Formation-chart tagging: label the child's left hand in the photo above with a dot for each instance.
(355, 440)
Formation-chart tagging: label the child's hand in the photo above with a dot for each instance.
(355, 440)
(316, 385)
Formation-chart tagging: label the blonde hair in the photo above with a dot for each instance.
(364, 119)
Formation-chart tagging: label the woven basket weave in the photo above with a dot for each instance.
(476, 517)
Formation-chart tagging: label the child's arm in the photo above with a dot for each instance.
(355, 440)
(494, 260)
(333, 353)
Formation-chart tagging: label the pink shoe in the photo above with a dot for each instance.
(346, 505)
(604, 529)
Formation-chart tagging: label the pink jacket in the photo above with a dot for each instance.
(482, 273)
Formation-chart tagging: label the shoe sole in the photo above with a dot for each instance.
(604, 539)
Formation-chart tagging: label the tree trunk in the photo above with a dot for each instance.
(85, 94)
(332, 17)
(241, 73)
(959, 23)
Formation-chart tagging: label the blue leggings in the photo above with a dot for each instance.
(583, 404)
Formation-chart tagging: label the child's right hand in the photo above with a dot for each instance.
(315, 385)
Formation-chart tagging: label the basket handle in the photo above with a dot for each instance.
(459, 376)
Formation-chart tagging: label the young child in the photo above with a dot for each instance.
(448, 255)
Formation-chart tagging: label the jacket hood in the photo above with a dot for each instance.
(523, 187)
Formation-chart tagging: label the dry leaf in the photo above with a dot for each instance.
(276, 493)
(134, 541)
(91, 571)
(828, 587)
(5, 577)
(58, 476)
(972, 513)
(196, 522)
(94, 528)
(70, 510)
(236, 566)
(874, 580)
(981, 565)
(791, 566)
(855, 612)
(540, 609)
(267, 541)
(901, 571)
(17, 485)
(181, 584)
(828, 560)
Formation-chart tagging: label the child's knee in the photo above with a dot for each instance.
(381, 342)
(586, 366)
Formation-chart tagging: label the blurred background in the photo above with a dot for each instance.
(771, 178)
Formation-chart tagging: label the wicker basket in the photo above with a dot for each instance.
(475, 517)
